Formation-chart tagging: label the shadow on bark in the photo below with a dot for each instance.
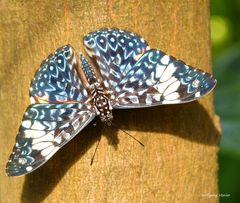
(178, 120)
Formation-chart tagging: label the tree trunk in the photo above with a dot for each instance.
(179, 160)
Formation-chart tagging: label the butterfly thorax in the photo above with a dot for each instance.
(102, 104)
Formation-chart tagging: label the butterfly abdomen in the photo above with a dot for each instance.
(88, 71)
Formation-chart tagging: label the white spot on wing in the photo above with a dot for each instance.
(133, 79)
(197, 94)
(118, 89)
(58, 139)
(75, 124)
(148, 99)
(41, 145)
(33, 133)
(149, 82)
(134, 99)
(172, 96)
(67, 136)
(157, 97)
(159, 70)
(47, 151)
(130, 44)
(38, 125)
(168, 72)
(112, 82)
(171, 102)
(26, 124)
(128, 89)
(32, 100)
(106, 84)
(41, 84)
(47, 138)
(85, 93)
(22, 161)
(29, 168)
(139, 72)
(161, 87)
(196, 83)
(172, 88)
(165, 59)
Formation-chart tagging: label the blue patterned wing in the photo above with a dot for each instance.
(158, 79)
(115, 51)
(45, 128)
(57, 79)
(60, 109)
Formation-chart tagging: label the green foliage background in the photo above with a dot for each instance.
(225, 33)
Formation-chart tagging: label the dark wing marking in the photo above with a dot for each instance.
(161, 79)
(57, 80)
(44, 130)
(115, 51)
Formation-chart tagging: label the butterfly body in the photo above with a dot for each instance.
(102, 104)
(131, 75)
(100, 98)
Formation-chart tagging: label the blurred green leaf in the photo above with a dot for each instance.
(220, 29)
(227, 103)
(227, 97)
(229, 176)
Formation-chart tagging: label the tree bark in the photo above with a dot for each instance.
(179, 160)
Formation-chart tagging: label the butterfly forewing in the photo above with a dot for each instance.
(115, 51)
(57, 79)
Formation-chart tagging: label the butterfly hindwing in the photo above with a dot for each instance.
(45, 128)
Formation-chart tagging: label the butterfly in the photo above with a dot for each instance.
(128, 74)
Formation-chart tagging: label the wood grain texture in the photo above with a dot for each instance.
(179, 161)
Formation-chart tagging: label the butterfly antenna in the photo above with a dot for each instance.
(128, 134)
(97, 144)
